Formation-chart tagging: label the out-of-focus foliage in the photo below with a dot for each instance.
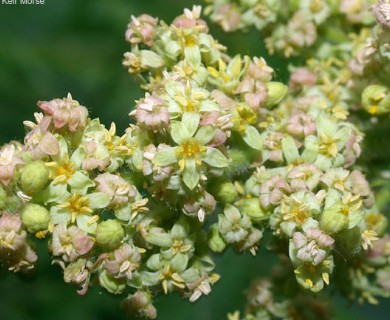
(77, 46)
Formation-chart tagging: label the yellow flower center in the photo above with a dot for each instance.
(190, 149)
(246, 116)
(77, 204)
(61, 173)
(328, 146)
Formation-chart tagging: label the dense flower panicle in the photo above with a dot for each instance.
(218, 155)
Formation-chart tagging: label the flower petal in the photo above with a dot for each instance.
(215, 158)
(179, 132)
(190, 175)
(165, 157)
(191, 121)
(98, 200)
(205, 134)
(253, 138)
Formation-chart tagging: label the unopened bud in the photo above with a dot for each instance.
(35, 218)
(109, 233)
(34, 177)
(276, 93)
(226, 192)
(215, 240)
(112, 285)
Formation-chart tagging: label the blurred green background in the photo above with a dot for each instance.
(77, 46)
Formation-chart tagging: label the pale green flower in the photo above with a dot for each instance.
(314, 277)
(227, 77)
(184, 98)
(233, 226)
(78, 208)
(341, 211)
(191, 150)
(324, 150)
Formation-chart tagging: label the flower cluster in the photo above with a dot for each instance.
(216, 155)
(295, 27)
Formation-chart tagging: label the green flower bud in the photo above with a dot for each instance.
(215, 240)
(109, 233)
(333, 220)
(251, 207)
(276, 93)
(112, 285)
(34, 177)
(35, 218)
(376, 99)
(158, 238)
(3, 197)
(240, 161)
(226, 192)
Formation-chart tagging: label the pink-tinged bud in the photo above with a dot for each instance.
(70, 243)
(115, 187)
(225, 102)
(223, 125)
(152, 113)
(9, 159)
(302, 31)
(24, 261)
(39, 141)
(272, 191)
(65, 112)
(359, 184)
(305, 176)
(141, 30)
(259, 70)
(159, 173)
(77, 273)
(92, 160)
(352, 149)
(12, 237)
(191, 19)
(125, 261)
(228, 17)
(139, 305)
(302, 77)
(273, 147)
(301, 125)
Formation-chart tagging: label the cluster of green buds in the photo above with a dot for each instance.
(216, 157)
